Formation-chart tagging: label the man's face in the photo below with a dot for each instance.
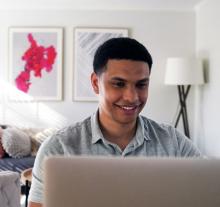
(122, 89)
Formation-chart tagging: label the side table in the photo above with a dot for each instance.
(26, 178)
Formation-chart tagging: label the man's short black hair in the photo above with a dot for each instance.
(120, 48)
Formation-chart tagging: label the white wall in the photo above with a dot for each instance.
(208, 47)
(165, 33)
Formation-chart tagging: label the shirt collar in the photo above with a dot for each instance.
(96, 131)
(141, 132)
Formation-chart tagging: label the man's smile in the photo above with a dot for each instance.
(128, 107)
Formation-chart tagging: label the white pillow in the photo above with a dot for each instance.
(41, 136)
(16, 143)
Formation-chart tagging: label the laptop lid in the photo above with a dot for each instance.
(131, 182)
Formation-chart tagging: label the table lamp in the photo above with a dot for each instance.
(183, 72)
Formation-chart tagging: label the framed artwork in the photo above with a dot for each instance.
(35, 62)
(87, 40)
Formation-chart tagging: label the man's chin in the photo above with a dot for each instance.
(126, 121)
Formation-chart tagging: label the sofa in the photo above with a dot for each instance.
(16, 164)
(18, 146)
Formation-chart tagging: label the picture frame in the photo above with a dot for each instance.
(87, 40)
(35, 63)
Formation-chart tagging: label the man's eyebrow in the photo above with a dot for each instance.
(144, 80)
(121, 79)
(117, 79)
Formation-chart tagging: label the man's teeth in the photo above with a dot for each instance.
(128, 107)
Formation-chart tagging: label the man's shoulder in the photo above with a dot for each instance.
(150, 124)
(161, 132)
(69, 138)
(76, 128)
(170, 139)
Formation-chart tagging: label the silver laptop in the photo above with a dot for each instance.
(131, 182)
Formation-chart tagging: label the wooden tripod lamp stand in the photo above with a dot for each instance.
(183, 72)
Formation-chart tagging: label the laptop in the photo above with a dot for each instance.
(131, 182)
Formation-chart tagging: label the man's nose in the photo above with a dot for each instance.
(130, 95)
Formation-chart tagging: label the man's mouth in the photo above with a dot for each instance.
(128, 108)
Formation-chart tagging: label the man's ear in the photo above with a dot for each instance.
(95, 82)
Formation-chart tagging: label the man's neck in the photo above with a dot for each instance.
(120, 134)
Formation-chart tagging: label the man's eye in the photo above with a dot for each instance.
(119, 84)
(142, 85)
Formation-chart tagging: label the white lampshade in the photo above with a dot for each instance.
(184, 71)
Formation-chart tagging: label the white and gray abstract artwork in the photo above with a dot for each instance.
(86, 43)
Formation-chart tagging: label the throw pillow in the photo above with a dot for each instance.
(41, 136)
(31, 132)
(16, 143)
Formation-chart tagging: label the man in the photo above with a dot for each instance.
(121, 80)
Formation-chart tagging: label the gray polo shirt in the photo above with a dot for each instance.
(86, 138)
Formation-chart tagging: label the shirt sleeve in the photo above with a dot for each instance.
(36, 191)
(49, 147)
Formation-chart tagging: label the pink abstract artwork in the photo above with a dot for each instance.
(37, 58)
